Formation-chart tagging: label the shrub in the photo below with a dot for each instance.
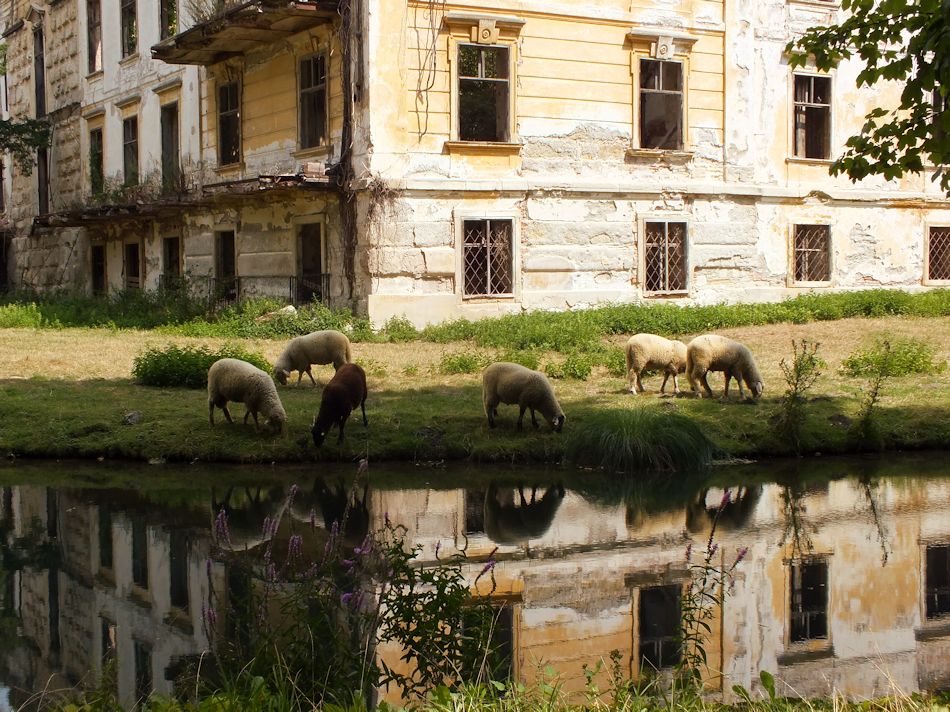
(576, 366)
(463, 362)
(186, 366)
(14, 316)
(614, 359)
(528, 359)
(399, 329)
(800, 376)
(893, 356)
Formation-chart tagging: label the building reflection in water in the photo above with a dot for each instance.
(845, 586)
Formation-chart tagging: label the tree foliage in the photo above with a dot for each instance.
(896, 40)
(22, 137)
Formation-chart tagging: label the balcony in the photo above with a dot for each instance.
(242, 27)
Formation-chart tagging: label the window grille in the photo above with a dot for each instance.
(483, 93)
(938, 581)
(938, 254)
(812, 116)
(487, 258)
(808, 616)
(665, 257)
(812, 253)
(661, 104)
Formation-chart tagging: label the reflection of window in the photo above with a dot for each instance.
(938, 581)
(229, 124)
(812, 253)
(812, 116)
(474, 512)
(483, 93)
(39, 71)
(661, 104)
(94, 35)
(487, 265)
(139, 554)
(143, 670)
(105, 537)
(493, 627)
(938, 253)
(130, 150)
(128, 30)
(107, 636)
(313, 101)
(665, 265)
(808, 617)
(659, 621)
(178, 569)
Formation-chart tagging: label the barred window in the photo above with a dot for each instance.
(808, 617)
(812, 116)
(661, 104)
(937, 595)
(487, 265)
(812, 253)
(938, 253)
(313, 101)
(483, 93)
(665, 264)
(659, 621)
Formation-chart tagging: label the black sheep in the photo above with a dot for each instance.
(341, 395)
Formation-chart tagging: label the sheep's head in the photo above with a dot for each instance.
(280, 375)
(319, 434)
(277, 423)
(757, 387)
(558, 422)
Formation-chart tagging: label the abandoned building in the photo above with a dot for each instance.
(436, 160)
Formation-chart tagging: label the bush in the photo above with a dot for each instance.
(399, 329)
(576, 366)
(528, 359)
(893, 356)
(463, 362)
(614, 359)
(14, 316)
(186, 366)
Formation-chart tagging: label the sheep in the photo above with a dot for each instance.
(341, 395)
(319, 347)
(711, 352)
(230, 379)
(649, 351)
(512, 383)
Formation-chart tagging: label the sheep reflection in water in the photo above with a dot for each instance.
(507, 522)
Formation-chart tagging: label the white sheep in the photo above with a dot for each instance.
(711, 352)
(512, 383)
(320, 347)
(230, 379)
(651, 352)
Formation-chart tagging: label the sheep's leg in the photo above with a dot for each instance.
(491, 411)
(666, 377)
(310, 373)
(253, 413)
(640, 388)
(211, 412)
(339, 440)
(521, 494)
(704, 380)
(676, 386)
(631, 381)
(227, 413)
(521, 416)
(534, 420)
(363, 408)
(725, 392)
(741, 391)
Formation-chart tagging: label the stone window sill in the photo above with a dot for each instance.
(312, 152)
(666, 295)
(94, 76)
(131, 59)
(810, 285)
(230, 168)
(935, 282)
(478, 298)
(659, 154)
(933, 628)
(810, 161)
(490, 148)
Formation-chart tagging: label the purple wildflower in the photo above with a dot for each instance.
(294, 545)
(346, 598)
(689, 551)
(726, 498)
(489, 565)
(347, 563)
(334, 528)
(713, 549)
(273, 526)
(740, 556)
(271, 572)
(221, 531)
(208, 567)
(209, 615)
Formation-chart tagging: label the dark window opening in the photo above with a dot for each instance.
(809, 600)
(483, 93)
(128, 27)
(229, 124)
(39, 71)
(3, 204)
(178, 547)
(937, 594)
(105, 537)
(487, 262)
(313, 101)
(938, 253)
(94, 35)
(171, 162)
(130, 150)
(661, 104)
(143, 670)
(42, 181)
(98, 270)
(474, 512)
(107, 636)
(96, 165)
(659, 621)
(665, 263)
(492, 628)
(139, 554)
(168, 18)
(133, 266)
(311, 280)
(812, 253)
(225, 262)
(812, 116)
(171, 261)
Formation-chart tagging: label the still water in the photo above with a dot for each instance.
(843, 586)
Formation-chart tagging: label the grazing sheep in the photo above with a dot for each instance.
(649, 351)
(345, 391)
(717, 353)
(319, 347)
(230, 379)
(512, 383)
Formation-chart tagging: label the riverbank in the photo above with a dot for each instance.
(69, 393)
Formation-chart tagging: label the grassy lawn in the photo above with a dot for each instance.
(65, 394)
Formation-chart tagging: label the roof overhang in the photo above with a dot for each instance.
(244, 27)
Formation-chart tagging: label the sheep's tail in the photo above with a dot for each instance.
(689, 369)
(349, 352)
(628, 354)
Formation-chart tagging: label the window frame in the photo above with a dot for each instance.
(127, 144)
(39, 72)
(641, 277)
(793, 105)
(793, 280)
(140, 247)
(170, 161)
(637, 652)
(234, 288)
(128, 29)
(237, 114)
(811, 643)
(94, 174)
(515, 294)
(93, 54)
(457, 90)
(637, 137)
(323, 141)
(168, 28)
(926, 278)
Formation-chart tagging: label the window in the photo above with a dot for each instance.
(224, 263)
(133, 266)
(171, 163)
(171, 261)
(178, 569)
(487, 265)
(659, 625)
(143, 670)
(665, 266)
(42, 181)
(474, 511)
(311, 278)
(938, 253)
(229, 124)
(483, 92)
(94, 35)
(808, 616)
(812, 116)
(168, 18)
(313, 101)
(96, 167)
(129, 28)
(107, 638)
(3, 204)
(661, 104)
(139, 553)
(812, 253)
(130, 150)
(493, 626)
(937, 593)
(105, 535)
(98, 259)
(39, 71)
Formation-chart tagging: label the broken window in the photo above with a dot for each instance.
(812, 116)
(139, 553)
(133, 266)
(487, 268)
(483, 93)
(229, 124)
(313, 101)
(665, 267)
(225, 260)
(659, 626)
(98, 259)
(937, 594)
(130, 150)
(661, 104)
(39, 71)
(142, 653)
(808, 616)
(178, 546)
(129, 28)
(171, 163)
(168, 18)
(938, 254)
(94, 35)
(812, 253)
(96, 166)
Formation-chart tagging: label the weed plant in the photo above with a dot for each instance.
(893, 356)
(865, 433)
(576, 366)
(800, 376)
(463, 362)
(187, 366)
